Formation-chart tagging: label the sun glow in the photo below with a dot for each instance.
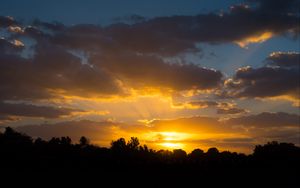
(169, 140)
(173, 136)
(170, 145)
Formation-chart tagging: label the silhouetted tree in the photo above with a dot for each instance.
(17, 152)
(83, 141)
(11, 137)
(119, 145)
(212, 152)
(65, 140)
(274, 151)
(196, 155)
(39, 142)
(133, 143)
(144, 148)
(179, 154)
(54, 141)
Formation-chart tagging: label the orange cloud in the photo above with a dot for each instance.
(258, 38)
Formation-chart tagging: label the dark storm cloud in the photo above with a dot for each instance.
(267, 119)
(280, 77)
(29, 110)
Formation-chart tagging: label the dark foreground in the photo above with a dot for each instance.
(42, 163)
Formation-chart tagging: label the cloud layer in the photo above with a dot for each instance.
(279, 78)
(29, 110)
(45, 67)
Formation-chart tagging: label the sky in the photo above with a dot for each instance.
(176, 74)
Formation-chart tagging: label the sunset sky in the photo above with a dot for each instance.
(176, 74)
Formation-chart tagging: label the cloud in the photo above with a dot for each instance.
(265, 82)
(169, 36)
(221, 107)
(10, 47)
(29, 110)
(284, 59)
(6, 118)
(52, 72)
(197, 104)
(192, 124)
(54, 26)
(149, 71)
(175, 34)
(232, 110)
(278, 6)
(15, 29)
(88, 60)
(132, 68)
(123, 56)
(203, 104)
(267, 119)
(279, 78)
(6, 21)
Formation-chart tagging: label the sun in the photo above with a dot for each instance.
(172, 140)
(174, 136)
(167, 139)
(170, 145)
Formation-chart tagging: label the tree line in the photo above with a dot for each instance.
(23, 153)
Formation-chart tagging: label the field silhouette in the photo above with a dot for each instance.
(128, 163)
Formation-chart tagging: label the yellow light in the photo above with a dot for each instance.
(171, 145)
(169, 136)
(168, 140)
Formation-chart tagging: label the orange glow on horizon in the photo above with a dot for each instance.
(167, 140)
(170, 145)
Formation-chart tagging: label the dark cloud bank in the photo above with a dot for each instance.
(90, 60)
